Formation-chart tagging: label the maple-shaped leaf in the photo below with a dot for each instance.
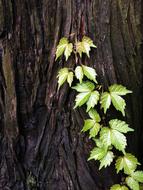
(64, 47)
(128, 162)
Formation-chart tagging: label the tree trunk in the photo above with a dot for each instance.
(41, 147)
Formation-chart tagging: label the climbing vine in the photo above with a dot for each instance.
(109, 137)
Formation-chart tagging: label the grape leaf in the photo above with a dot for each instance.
(118, 102)
(64, 47)
(119, 187)
(94, 130)
(79, 73)
(93, 100)
(138, 176)
(119, 89)
(62, 76)
(94, 115)
(106, 160)
(128, 162)
(86, 86)
(89, 72)
(70, 78)
(120, 126)
(97, 153)
(132, 183)
(105, 101)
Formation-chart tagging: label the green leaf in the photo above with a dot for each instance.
(79, 73)
(93, 100)
(118, 140)
(120, 126)
(89, 72)
(64, 47)
(105, 101)
(82, 98)
(68, 50)
(84, 46)
(70, 78)
(119, 89)
(138, 176)
(97, 153)
(118, 187)
(105, 136)
(62, 76)
(98, 142)
(94, 130)
(128, 162)
(84, 87)
(88, 124)
(133, 184)
(94, 115)
(106, 160)
(118, 102)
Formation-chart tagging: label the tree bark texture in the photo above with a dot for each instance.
(41, 147)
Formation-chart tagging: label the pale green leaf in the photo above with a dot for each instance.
(94, 130)
(97, 153)
(84, 87)
(98, 142)
(106, 160)
(80, 48)
(119, 187)
(119, 89)
(89, 72)
(62, 76)
(105, 136)
(105, 101)
(93, 100)
(118, 140)
(70, 78)
(132, 183)
(118, 102)
(138, 176)
(128, 162)
(120, 126)
(82, 98)
(68, 50)
(88, 124)
(61, 47)
(79, 73)
(94, 115)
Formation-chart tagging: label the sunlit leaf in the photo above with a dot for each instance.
(62, 76)
(138, 176)
(88, 124)
(97, 153)
(94, 130)
(119, 187)
(89, 72)
(106, 160)
(132, 183)
(105, 136)
(79, 73)
(82, 98)
(105, 101)
(119, 89)
(70, 78)
(94, 115)
(86, 86)
(93, 100)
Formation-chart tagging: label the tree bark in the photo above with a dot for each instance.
(41, 147)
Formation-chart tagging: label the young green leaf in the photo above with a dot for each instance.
(94, 130)
(64, 47)
(90, 73)
(98, 142)
(93, 100)
(82, 98)
(88, 124)
(120, 126)
(133, 184)
(105, 136)
(79, 73)
(86, 86)
(70, 78)
(106, 160)
(119, 187)
(118, 102)
(138, 176)
(105, 101)
(97, 153)
(62, 76)
(118, 140)
(128, 162)
(94, 115)
(119, 89)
